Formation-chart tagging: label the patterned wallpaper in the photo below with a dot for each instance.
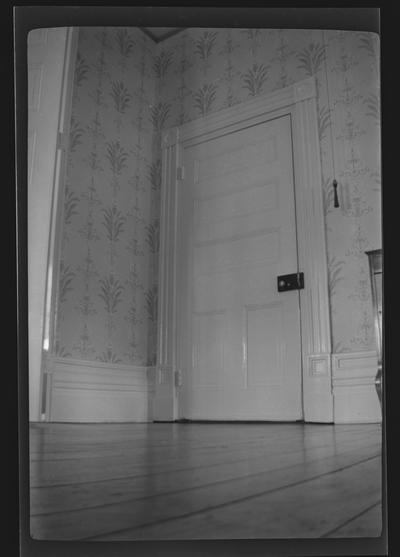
(106, 298)
(210, 69)
(127, 89)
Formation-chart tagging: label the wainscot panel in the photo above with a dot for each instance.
(354, 392)
(86, 391)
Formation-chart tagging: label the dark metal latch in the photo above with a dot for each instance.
(295, 281)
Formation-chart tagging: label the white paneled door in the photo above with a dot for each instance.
(239, 346)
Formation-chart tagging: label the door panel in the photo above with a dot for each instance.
(239, 345)
(264, 321)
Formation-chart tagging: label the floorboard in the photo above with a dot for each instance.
(368, 520)
(194, 481)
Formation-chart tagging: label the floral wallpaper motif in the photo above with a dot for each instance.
(352, 76)
(127, 90)
(105, 276)
(230, 72)
(283, 53)
(254, 78)
(161, 64)
(204, 98)
(233, 65)
(204, 46)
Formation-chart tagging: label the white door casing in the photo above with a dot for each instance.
(298, 100)
(50, 66)
(45, 53)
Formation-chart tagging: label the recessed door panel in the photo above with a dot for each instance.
(264, 348)
(259, 196)
(228, 161)
(236, 251)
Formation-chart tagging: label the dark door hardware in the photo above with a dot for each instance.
(335, 195)
(294, 281)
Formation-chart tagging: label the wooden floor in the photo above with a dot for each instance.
(195, 481)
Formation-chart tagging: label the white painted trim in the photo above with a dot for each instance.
(88, 391)
(243, 112)
(314, 299)
(355, 396)
(361, 364)
(165, 399)
(97, 364)
(56, 217)
(298, 100)
(40, 199)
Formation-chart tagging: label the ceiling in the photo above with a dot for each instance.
(159, 34)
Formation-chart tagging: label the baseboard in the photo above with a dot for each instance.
(354, 393)
(87, 391)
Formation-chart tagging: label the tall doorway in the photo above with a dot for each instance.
(242, 205)
(239, 348)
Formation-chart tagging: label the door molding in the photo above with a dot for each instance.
(298, 100)
(56, 223)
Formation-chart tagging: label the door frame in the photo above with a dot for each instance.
(55, 226)
(299, 100)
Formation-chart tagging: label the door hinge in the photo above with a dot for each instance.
(180, 173)
(62, 141)
(178, 378)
